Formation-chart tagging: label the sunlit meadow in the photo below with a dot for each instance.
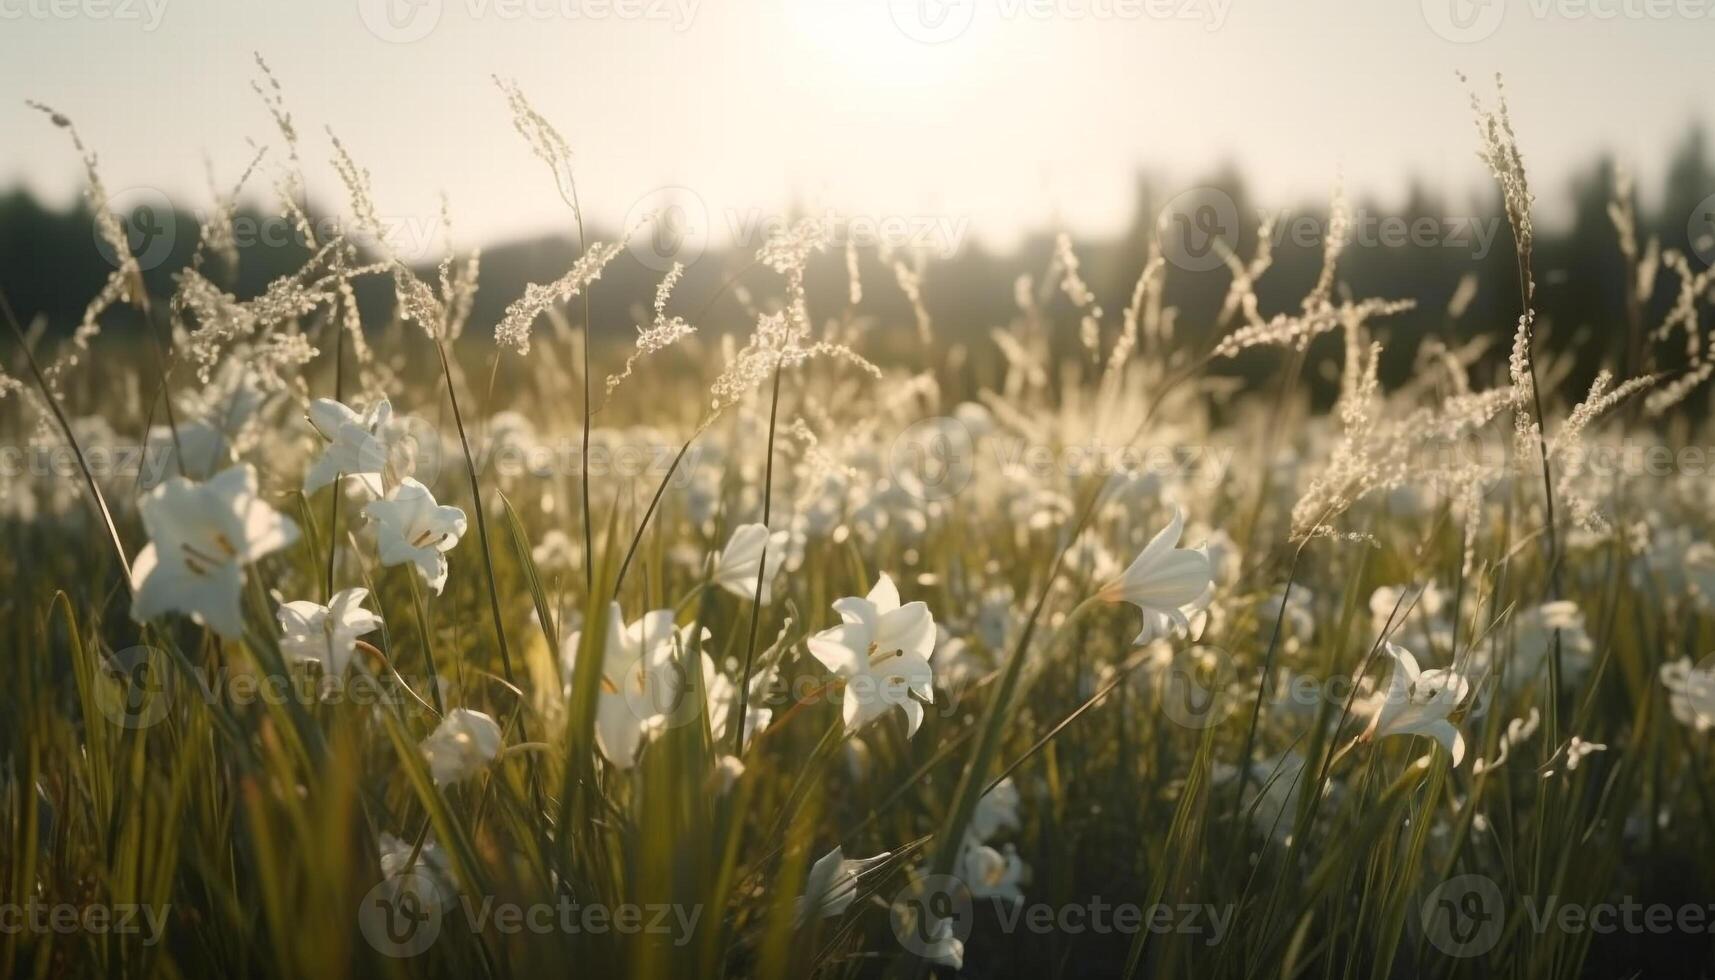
(666, 647)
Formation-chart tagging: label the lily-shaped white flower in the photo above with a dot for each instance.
(1167, 582)
(641, 680)
(1418, 702)
(192, 448)
(996, 810)
(944, 947)
(882, 650)
(414, 528)
(201, 535)
(356, 448)
(1691, 693)
(833, 884)
(742, 559)
(429, 879)
(1533, 641)
(989, 873)
(462, 745)
(722, 694)
(326, 634)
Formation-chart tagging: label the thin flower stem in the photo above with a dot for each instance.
(761, 568)
(333, 508)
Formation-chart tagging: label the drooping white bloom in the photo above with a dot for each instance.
(356, 444)
(1518, 730)
(462, 745)
(192, 448)
(208, 428)
(1533, 643)
(1691, 693)
(989, 873)
(1165, 581)
(833, 884)
(429, 879)
(722, 694)
(1415, 614)
(1417, 702)
(1577, 749)
(556, 552)
(326, 634)
(414, 528)
(996, 810)
(201, 535)
(641, 680)
(944, 947)
(728, 770)
(742, 559)
(882, 650)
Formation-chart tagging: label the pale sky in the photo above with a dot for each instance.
(996, 116)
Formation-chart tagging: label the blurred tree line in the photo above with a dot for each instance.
(50, 266)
